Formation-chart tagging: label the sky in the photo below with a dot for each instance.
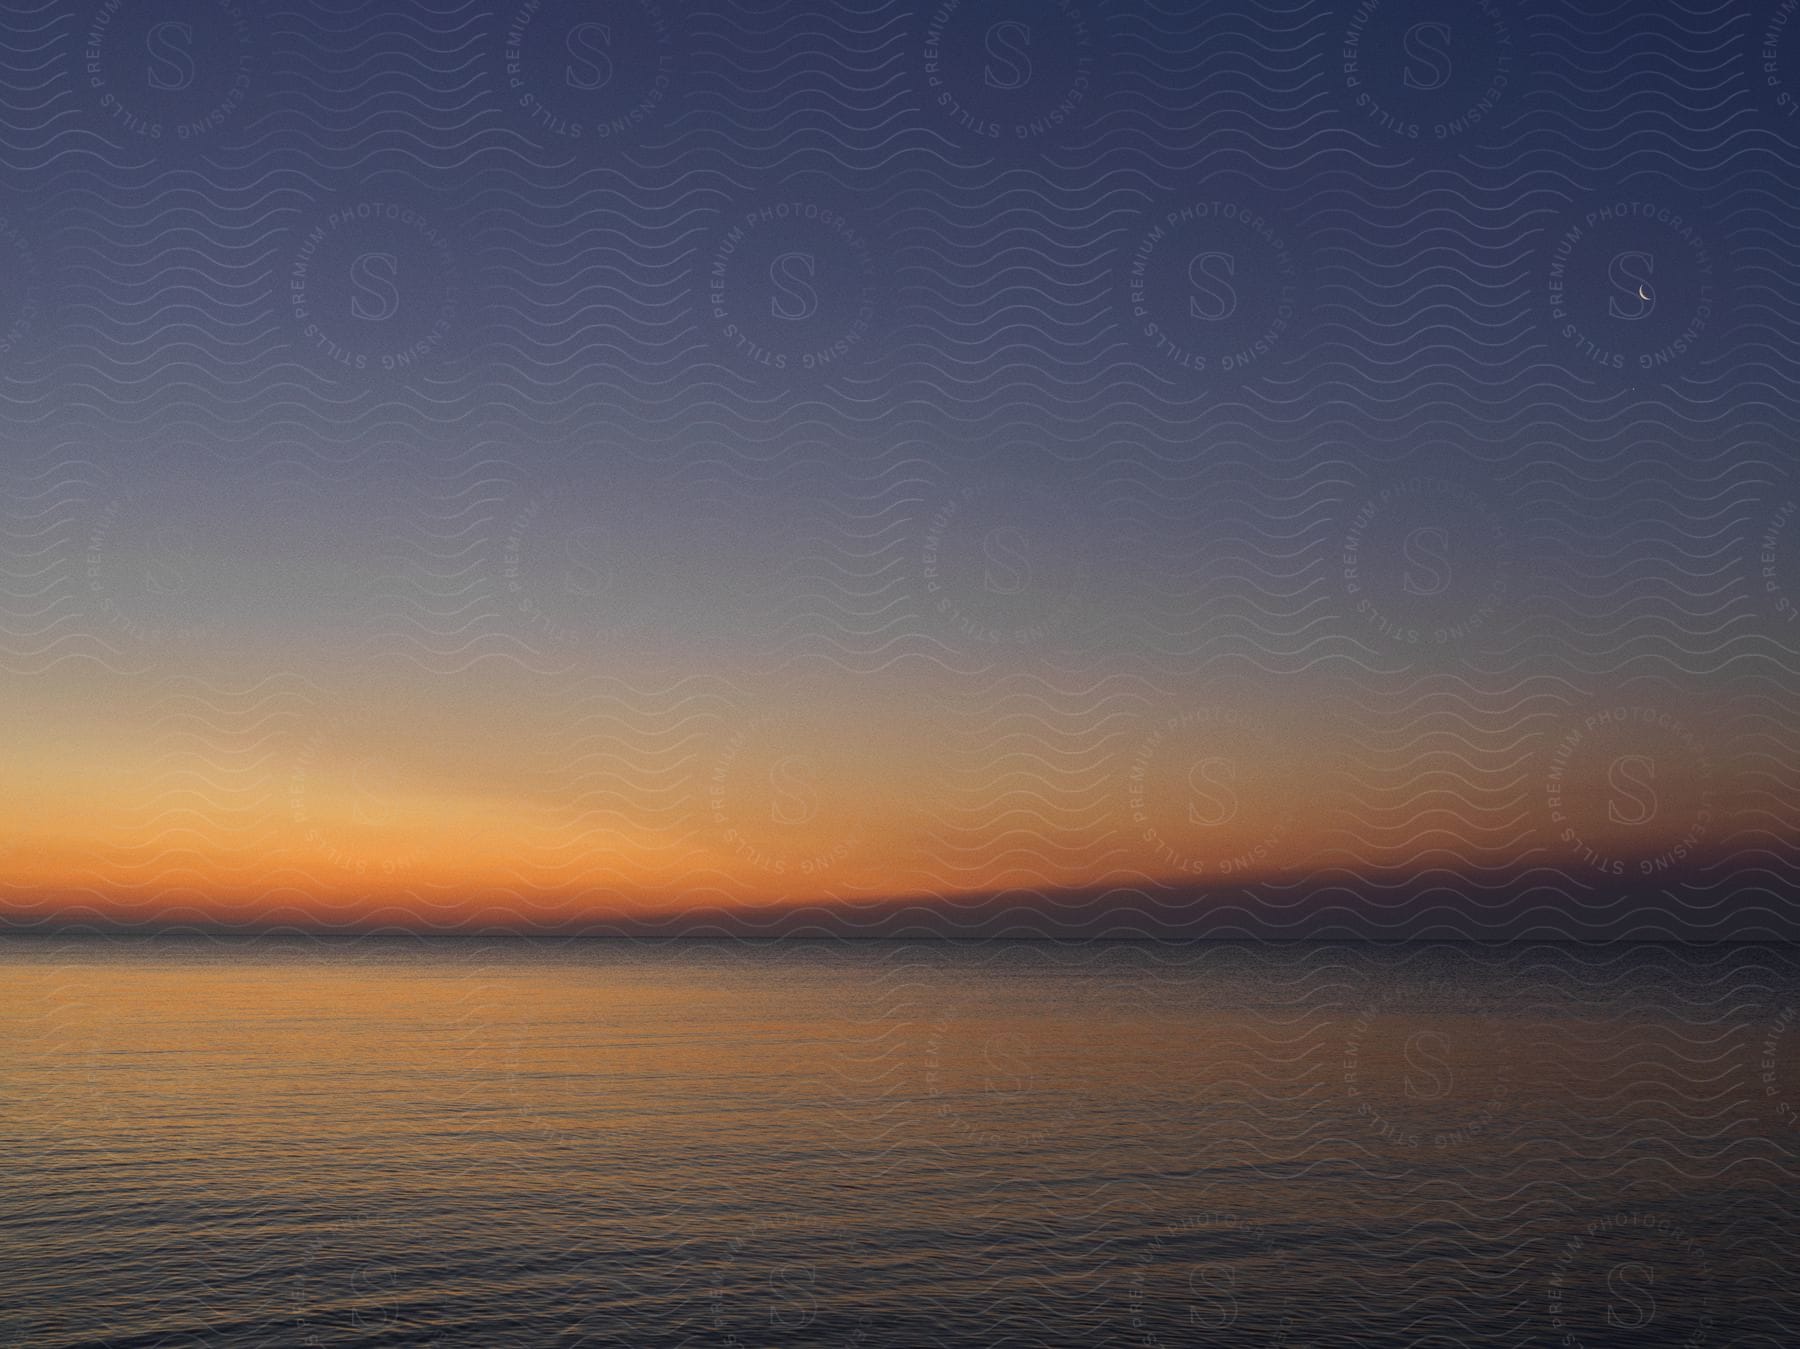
(1291, 469)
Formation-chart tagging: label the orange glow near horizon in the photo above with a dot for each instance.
(277, 804)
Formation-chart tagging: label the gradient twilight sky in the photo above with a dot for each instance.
(1297, 468)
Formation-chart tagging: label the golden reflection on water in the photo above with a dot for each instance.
(725, 1140)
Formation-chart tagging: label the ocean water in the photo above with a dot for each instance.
(393, 1142)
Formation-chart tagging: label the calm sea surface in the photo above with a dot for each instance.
(890, 1144)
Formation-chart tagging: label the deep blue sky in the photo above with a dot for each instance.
(955, 393)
